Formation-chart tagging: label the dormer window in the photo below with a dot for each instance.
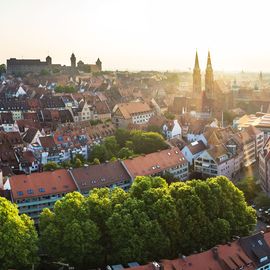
(30, 191)
(41, 190)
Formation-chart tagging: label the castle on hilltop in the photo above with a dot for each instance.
(23, 66)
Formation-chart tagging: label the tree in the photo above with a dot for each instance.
(18, 238)
(68, 235)
(111, 146)
(78, 163)
(125, 153)
(262, 200)
(169, 116)
(64, 89)
(129, 145)
(154, 128)
(44, 72)
(95, 122)
(169, 177)
(2, 69)
(80, 157)
(96, 161)
(100, 152)
(147, 142)
(250, 188)
(153, 220)
(51, 166)
(122, 135)
(66, 164)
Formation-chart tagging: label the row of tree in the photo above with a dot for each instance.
(152, 221)
(127, 143)
(76, 162)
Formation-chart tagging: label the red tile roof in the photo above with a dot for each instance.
(155, 162)
(59, 181)
(47, 142)
(222, 257)
(102, 175)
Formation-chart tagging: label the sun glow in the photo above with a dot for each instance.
(139, 34)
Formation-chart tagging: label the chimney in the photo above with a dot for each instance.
(215, 253)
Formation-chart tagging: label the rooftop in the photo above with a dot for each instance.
(155, 162)
(41, 184)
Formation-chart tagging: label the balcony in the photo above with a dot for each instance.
(52, 200)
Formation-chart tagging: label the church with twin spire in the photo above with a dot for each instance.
(209, 77)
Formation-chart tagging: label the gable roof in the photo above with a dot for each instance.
(102, 175)
(256, 248)
(217, 151)
(30, 135)
(128, 109)
(196, 147)
(155, 162)
(47, 142)
(221, 257)
(41, 184)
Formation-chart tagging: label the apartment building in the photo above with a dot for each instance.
(158, 163)
(111, 175)
(264, 167)
(34, 192)
(215, 161)
(131, 113)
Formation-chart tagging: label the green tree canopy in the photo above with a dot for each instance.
(99, 152)
(122, 135)
(125, 153)
(250, 188)
(147, 142)
(51, 166)
(68, 235)
(111, 146)
(153, 220)
(64, 89)
(262, 200)
(18, 238)
(2, 69)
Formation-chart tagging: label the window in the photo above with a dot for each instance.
(20, 193)
(30, 191)
(41, 190)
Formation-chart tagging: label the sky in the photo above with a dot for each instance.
(139, 34)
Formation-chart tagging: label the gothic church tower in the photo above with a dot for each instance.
(209, 77)
(197, 84)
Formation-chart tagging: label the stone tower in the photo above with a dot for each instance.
(99, 64)
(197, 84)
(73, 61)
(209, 77)
(48, 60)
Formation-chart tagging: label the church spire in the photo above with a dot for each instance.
(209, 64)
(197, 84)
(209, 77)
(196, 61)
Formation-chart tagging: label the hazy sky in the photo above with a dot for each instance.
(139, 34)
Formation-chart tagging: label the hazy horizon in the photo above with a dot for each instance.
(139, 35)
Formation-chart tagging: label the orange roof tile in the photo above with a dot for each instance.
(41, 184)
(155, 162)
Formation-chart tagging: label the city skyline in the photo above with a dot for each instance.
(138, 35)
